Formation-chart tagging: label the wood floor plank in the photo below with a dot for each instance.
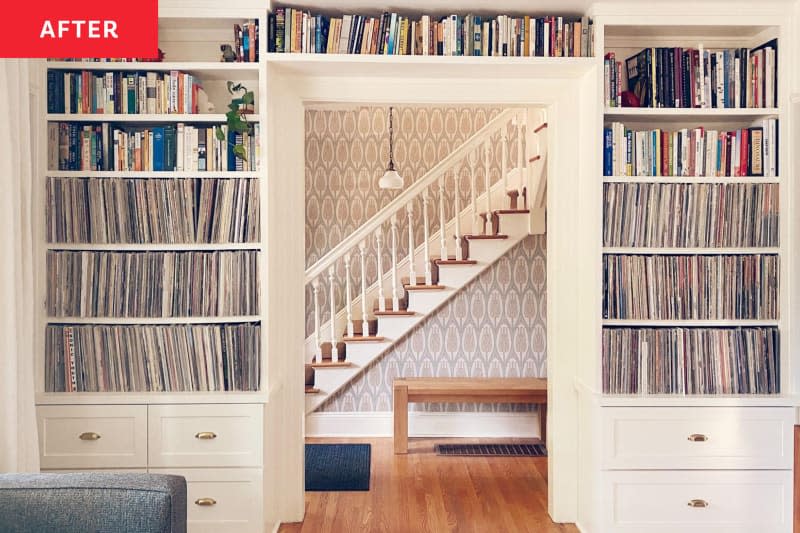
(425, 493)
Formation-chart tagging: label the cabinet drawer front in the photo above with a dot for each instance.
(205, 435)
(733, 501)
(702, 438)
(222, 500)
(92, 436)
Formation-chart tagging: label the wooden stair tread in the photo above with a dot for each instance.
(486, 237)
(312, 390)
(401, 312)
(455, 261)
(370, 338)
(512, 211)
(424, 287)
(332, 364)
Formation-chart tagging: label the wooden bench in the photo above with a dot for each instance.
(452, 390)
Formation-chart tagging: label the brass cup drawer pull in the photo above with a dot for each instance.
(698, 437)
(205, 502)
(698, 504)
(206, 435)
(89, 435)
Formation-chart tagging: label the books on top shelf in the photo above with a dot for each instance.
(691, 361)
(246, 40)
(129, 93)
(171, 358)
(678, 215)
(172, 147)
(699, 151)
(297, 31)
(695, 77)
(152, 284)
(142, 211)
(691, 287)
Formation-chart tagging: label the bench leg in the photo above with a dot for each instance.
(401, 419)
(543, 422)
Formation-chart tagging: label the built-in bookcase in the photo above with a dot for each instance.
(694, 227)
(153, 248)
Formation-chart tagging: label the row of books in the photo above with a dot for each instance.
(297, 31)
(152, 284)
(691, 361)
(697, 151)
(190, 358)
(245, 41)
(129, 93)
(689, 77)
(173, 147)
(679, 215)
(690, 287)
(142, 211)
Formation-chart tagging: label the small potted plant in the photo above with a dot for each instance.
(242, 104)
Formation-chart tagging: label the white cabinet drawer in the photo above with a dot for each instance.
(222, 500)
(738, 501)
(204, 435)
(92, 436)
(702, 438)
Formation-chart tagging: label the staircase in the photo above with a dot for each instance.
(439, 259)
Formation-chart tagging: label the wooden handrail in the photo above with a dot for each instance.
(414, 190)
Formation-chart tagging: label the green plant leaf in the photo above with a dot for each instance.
(220, 133)
(230, 85)
(239, 87)
(238, 151)
(248, 98)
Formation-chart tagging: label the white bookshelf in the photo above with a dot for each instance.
(191, 45)
(688, 251)
(651, 323)
(689, 179)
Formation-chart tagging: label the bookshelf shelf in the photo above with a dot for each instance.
(142, 118)
(134, 398)
(151, 174)
(155, 320)
(480, 67)
(690, 323)
(152, 247)
(689, 251)
(206, 69)
(689, 179)
(666, 115)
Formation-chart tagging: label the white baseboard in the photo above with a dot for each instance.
(424, 424)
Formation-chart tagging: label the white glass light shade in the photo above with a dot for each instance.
(391, 180)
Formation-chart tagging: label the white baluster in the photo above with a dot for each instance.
(425, 245)
(379, 246)
(334, 350)
(317, 333)
(489, 221)
(442, 232)
(520, 159)
(504, 160)
(348, 302)
(456, 185)
(395, 296)
(362, 250)
(476, 223)
(412, 273)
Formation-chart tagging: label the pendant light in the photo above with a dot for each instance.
(391, 179)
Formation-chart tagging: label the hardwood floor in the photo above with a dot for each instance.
(422, 492)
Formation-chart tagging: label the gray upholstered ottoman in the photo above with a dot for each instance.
(92, 503)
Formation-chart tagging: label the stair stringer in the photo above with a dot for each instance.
(454, 277)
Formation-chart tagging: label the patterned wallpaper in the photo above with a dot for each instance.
(495, 327)
(347, 151)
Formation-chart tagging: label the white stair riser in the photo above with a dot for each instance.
(458, 275)
(426, 301)
(394, 327)
(487, 251)
(361, 353)
(514, 224)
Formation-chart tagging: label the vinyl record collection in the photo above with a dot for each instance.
(152, 358)
(691, 361)
(152, 284)
(691, 215)
(141, 211)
